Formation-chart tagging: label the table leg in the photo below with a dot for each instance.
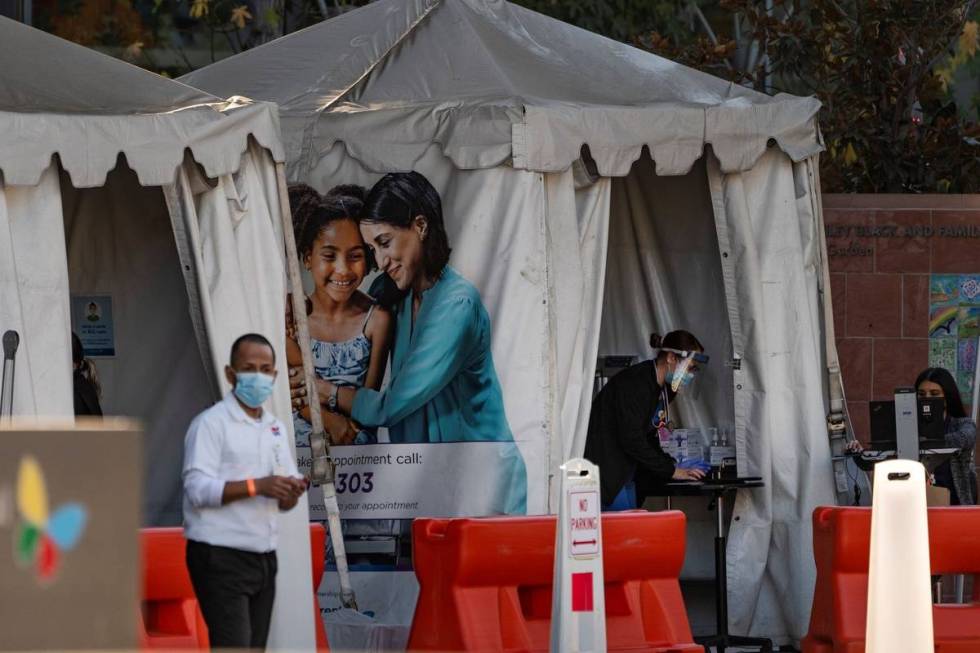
(722, 640)
(721, 571)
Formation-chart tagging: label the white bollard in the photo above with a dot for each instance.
(578, 602)
(899, 596)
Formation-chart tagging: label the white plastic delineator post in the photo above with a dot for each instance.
(899, 596)
(578, 604)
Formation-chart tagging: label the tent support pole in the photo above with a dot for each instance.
(837, 423)
(323, 467)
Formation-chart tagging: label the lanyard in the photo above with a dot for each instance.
(664, 401)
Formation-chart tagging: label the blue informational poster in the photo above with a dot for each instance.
(91, 318)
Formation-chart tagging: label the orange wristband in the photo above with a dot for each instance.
(250, 484)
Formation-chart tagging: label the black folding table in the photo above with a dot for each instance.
(717, 489)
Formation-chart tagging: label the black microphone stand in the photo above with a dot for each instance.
(10, 342)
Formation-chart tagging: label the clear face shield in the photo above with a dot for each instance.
(685, 374)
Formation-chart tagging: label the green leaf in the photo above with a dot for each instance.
(27, 539)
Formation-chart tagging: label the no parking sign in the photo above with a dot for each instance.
(578, 608)
(583, 522)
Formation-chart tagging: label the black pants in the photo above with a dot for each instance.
(235, 590)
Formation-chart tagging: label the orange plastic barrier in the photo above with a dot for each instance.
(318, 539)
(485, 584)
(841, 547)
(170, 617)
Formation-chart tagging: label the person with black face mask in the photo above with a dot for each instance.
(629, 414)
(85, 381)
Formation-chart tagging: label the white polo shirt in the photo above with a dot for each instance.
(224, 444)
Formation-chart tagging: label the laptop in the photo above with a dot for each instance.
(932, 425)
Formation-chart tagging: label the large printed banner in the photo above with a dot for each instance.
(431, 370)
(402, 481)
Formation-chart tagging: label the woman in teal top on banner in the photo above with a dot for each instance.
(442, 383)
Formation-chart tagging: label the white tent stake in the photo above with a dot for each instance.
(322, 468)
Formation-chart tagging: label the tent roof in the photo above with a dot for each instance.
(59, 97)
(492, 82)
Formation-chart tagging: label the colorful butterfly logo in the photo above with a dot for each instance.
(40, 538)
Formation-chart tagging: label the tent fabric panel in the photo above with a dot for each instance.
(306, 71)
(120, 243)
(471, 135)
(553, 136)
(44, 73)
(779, 396)
(477, 133)
(88, 146)
(34, 296)
(422, 70)
(492, 47)
(239, 239)
(739, 135)
(578, 229)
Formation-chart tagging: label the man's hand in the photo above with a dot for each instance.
(301, 485)
(281, 488)
(687, 474)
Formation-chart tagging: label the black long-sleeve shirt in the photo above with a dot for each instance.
(621, 435)
(86, 396)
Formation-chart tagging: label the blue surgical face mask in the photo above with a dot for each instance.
(253, 388)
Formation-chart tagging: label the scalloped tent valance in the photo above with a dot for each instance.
(60, 98)
(490, 83)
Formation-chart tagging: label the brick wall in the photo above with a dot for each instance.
(883, 250)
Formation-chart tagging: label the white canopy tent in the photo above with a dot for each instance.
(595, 193)
(117, 182)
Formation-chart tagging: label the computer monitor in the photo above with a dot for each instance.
(932, 424)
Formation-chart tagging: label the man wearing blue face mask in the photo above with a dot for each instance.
(239, 471)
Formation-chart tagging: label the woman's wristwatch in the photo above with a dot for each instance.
(332, 399)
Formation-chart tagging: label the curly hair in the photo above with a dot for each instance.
(312, 213)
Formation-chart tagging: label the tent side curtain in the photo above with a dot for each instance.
(577, 230)
(154, 144)
(234, 225)
(34, 295)
(663, 272)
(773, 239)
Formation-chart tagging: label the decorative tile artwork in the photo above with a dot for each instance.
(954, 326)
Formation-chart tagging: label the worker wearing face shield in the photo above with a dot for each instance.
(631, 414)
